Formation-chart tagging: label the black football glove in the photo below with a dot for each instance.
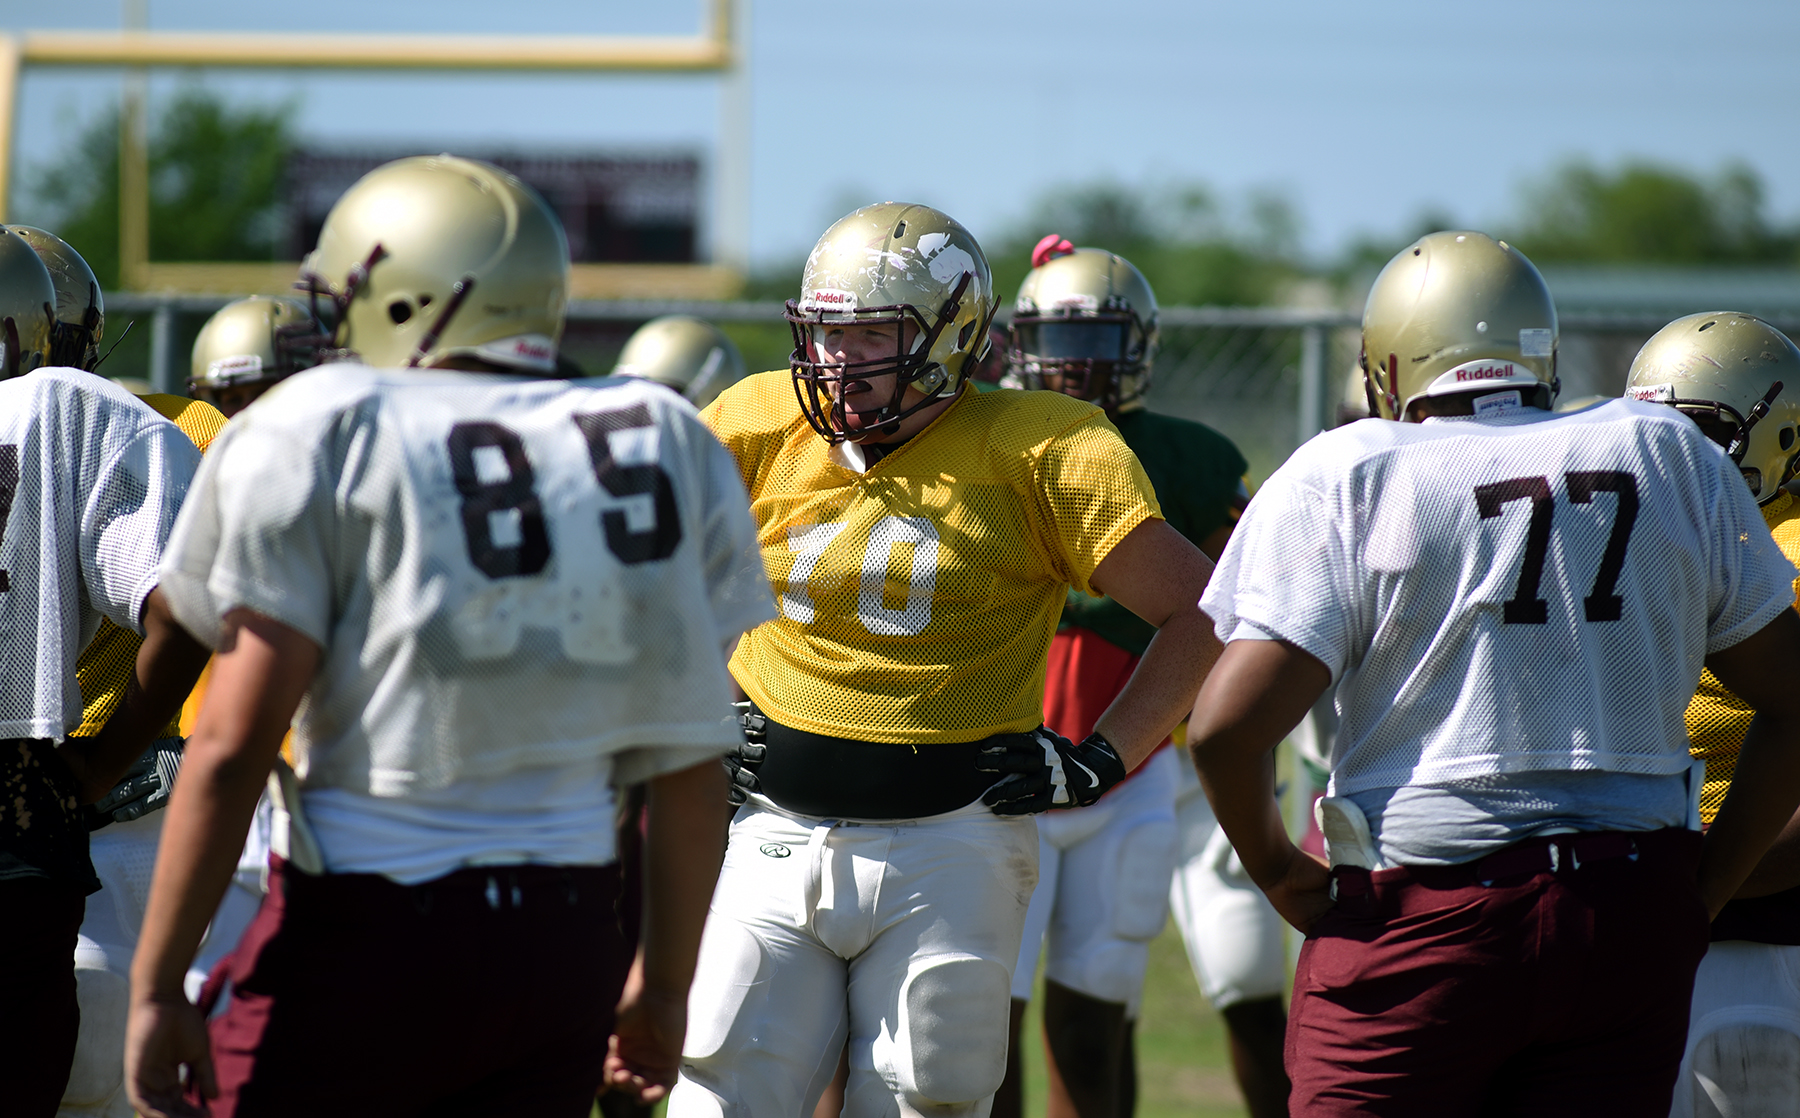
(147, 786)
(1043, 770)
(742, 762)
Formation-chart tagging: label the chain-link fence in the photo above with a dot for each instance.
(1269, 377)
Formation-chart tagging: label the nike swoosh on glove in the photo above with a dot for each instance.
(743, 761)
(1043, 770)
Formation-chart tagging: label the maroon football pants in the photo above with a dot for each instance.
(486, 992)
(1552, 978)
(39, 1018)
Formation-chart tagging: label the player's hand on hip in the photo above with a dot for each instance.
(162, 1038)
(643, 1056)
(1042, 770)
(743, 761)
(1303, 892)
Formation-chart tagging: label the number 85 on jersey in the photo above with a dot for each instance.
(558, 522)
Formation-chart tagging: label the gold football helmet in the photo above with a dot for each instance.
(1089, 317)
(1458, 313)
(80, 312)
(1739, 379)
(688, 354)
(898, 264)
(434, 257)
(249, 345)
(27, 307)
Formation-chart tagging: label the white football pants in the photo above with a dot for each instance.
(1233, 934)
(124, 855)
(1103, 888)
(1743, 1046)
(899, 936)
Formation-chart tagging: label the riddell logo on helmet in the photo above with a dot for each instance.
(1503, 371)
(525, 347)
(829, 299)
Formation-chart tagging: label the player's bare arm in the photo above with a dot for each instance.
(1157, 574)
(168, 663)
(262, 669)
(1258, 692)
(686, 845)
(1766, 787)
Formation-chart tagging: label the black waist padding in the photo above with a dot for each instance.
(839, 778)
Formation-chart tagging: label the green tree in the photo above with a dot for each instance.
(1641, 212)
(216, 174)
(1192, 248)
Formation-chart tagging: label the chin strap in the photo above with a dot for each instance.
(1740, 442)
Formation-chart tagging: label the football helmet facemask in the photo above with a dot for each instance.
(252, 344)
(27, 307)
(1458, 313)
(1739, 379)
(688, 354)
(434, 257)
(902, 266)
(80, 311)
(1089, 317)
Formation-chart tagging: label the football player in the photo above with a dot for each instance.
(1739, 379)
(499, 595)
(923, 537)
(688, 354)
(90, 481)
(1085, 324)
(1513, 607)
(250, 346)
(123, 826)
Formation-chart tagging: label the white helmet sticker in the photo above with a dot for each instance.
(533, 352)
(1536, 343)
(1474, 374)
(237, 365)
(1651, 393)
(1498, 403)
(829, 300)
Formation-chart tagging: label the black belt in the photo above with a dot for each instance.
(842, 778)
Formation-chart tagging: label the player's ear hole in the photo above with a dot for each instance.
(1787, 438)
(400, 310)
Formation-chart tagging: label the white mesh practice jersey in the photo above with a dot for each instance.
(90, 482)
(503, 573)
(1522, 593)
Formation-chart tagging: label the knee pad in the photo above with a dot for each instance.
(102, 990)
(951, 1047)
(1744, 1069)
(1146, 860)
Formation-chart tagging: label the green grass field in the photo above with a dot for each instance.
(1183, 1069)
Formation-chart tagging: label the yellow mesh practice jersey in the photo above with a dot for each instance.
(1717, 720)
(107, 662)
(918, 598)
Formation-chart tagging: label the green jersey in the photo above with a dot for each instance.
(1198, 475)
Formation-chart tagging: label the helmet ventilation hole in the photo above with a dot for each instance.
(399, 310)
(424, 301)
(1708, 326)
(1787, 438)
(900, 229)
(1418, 252)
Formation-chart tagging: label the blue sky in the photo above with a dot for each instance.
(1362, 114)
